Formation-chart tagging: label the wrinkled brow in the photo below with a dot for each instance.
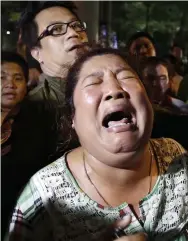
(101, 73)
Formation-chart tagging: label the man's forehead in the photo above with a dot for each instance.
(11, 67)
(161, 68)
(141, 40)
(54, 14)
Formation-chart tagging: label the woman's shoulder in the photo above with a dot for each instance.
(54, 169)
(168, 145)
(169, 151)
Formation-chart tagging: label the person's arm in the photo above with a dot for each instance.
(29, 220)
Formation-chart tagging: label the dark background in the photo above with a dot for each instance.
(166, 21)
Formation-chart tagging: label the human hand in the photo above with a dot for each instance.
(115, 232)
(134, 237)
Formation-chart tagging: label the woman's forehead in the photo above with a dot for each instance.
(102, 62)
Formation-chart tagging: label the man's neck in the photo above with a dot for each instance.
(4, 114)
(56, 70)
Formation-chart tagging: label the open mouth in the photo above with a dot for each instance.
(118, 118)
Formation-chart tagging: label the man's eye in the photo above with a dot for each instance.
(57, 29)
(77, 26)
(163, 78)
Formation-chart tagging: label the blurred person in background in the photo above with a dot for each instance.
(177, 76)
(182, 93)
(176, 51)
(14, 78)
(141, 45)
(157, 75)
(170, 114)
(179, 80)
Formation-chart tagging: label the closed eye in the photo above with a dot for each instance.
(125, 74)
(93, 81)
(126, 78)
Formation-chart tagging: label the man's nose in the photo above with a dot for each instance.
(71, 33)
(143, 49)
(10, 83)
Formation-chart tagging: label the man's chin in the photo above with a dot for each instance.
(80, 51)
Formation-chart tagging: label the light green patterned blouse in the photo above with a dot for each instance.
(52, 207)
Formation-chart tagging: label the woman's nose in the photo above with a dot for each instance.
(114, 90)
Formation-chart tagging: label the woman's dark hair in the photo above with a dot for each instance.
(71, 82)
(140, 35)
(27, 25)
(74, 71)
(11, 57)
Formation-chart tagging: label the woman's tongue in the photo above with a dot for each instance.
(121, 122)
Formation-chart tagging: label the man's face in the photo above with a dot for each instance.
(59, 50)
(177, 52)
(13, 85)
(142, 47)
(158, 83)
(162, 75)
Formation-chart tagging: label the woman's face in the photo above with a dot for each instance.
(112, 112)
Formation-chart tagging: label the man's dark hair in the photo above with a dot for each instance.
(11, 57)
(27, 24)
(140, 35)
(176, 64)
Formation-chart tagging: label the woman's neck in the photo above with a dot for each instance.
(120, 177)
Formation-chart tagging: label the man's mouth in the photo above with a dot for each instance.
(119, 118)
(10, 95)
(79, 46)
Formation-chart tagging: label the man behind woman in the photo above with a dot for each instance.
(171, 114)
(118, 172)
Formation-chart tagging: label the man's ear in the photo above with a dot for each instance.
(73, 126)
(35, 52)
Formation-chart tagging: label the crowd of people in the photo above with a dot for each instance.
(93, 140)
